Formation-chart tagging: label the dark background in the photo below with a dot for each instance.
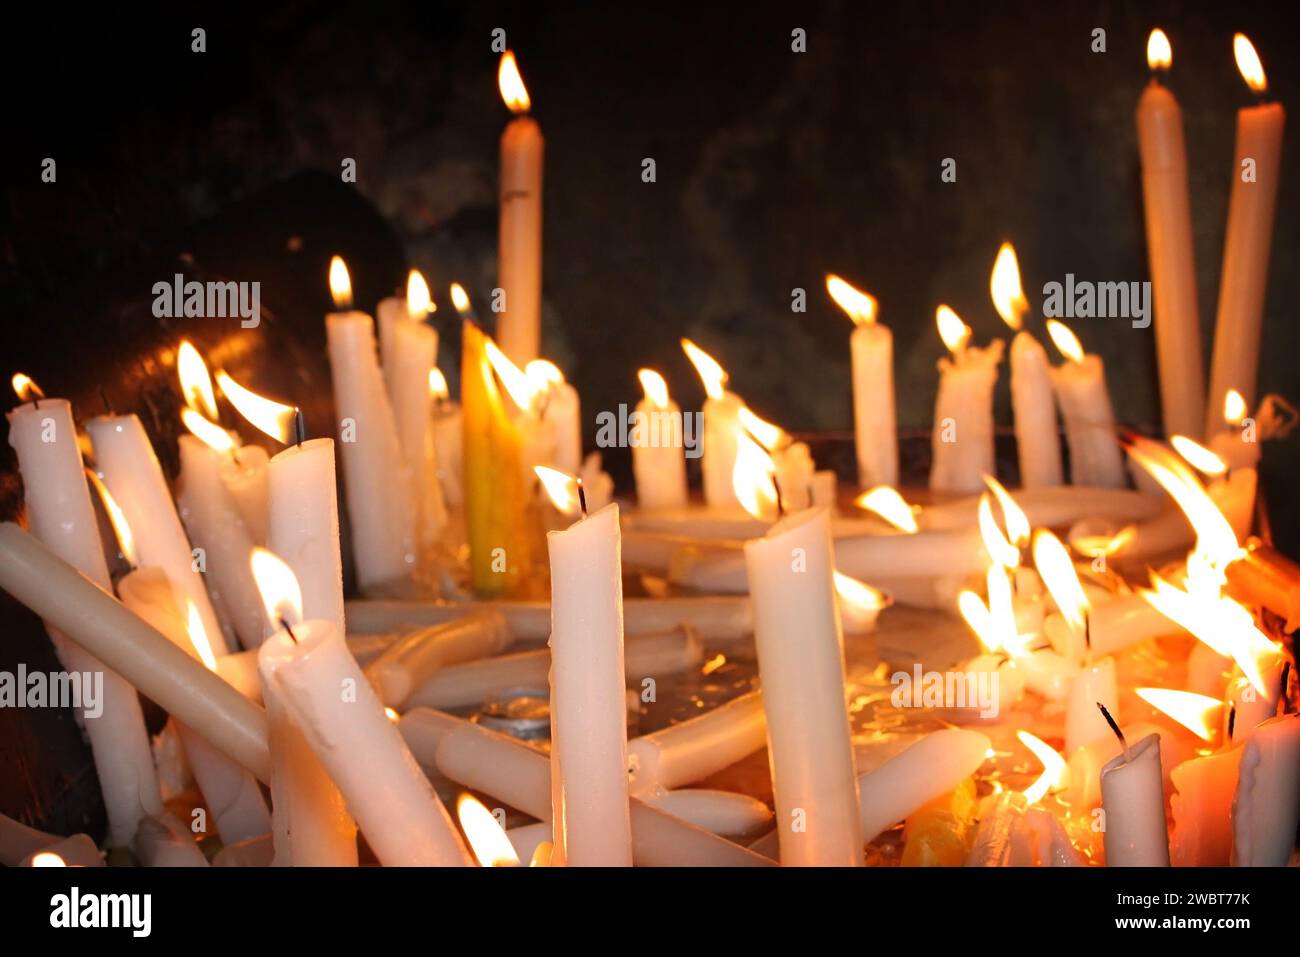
(773, 168)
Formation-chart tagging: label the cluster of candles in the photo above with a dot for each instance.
(231, 614)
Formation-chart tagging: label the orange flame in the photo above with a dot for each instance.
(860, 306)
(767, 434)
(1014, 517)
(196, 382)
(995, 543)
(954, 333)
(274, 418)
(116, 518)
(1065, 340)
(522, 390)
(656, 389)
(1057, 572)
(48, 859)
(199, 636)
(485, 836)
(418, 301)
(1198, 456)
(511, 84)
(711, 373)
(543, 374)
(1055, 770)
(561, 488)
(1234, 407)
(1160, 55)
(438, 384)
(340, 283)
(278, 586)
(1004, 286)
(885, 501)
(459, 298)
(25, 387)
(1198, 713)
(752, 479)
(211, 434)
(1252, 71)
(858, 593)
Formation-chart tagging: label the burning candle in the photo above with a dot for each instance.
(658, 452)
(790, 578)
(1132, 796)
(1037, 442)
(448, 429)
(1084, 723)
(1165, 198)
(721, 429)
(871, 347)
(588, 704)
(519, 258)
(963, 409)
(1202, 810)
(306, 665)
(304, 529)
(558, 406)
(1256, 170)
(1266, 807)
(1085, 405)
(60, 515)
(375, 478)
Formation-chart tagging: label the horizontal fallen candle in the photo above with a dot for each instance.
(654, 551)
(1052, 507)
(240, 669)
(931, 767)
(697, 747)
(712, 617)
(470, 683)
(520, 775)
(721, 812)
(142, 655)
(412, 659)
(1112, 626)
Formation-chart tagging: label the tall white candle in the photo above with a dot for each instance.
(1132, 796)
(721, 429)
(60, 515)
(1080, 386)
(871, 349)
(658, 452)
(1266, 808)
(962, 443)
(304, 526)
(801, 662)
(519, 248)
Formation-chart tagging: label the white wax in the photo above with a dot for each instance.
(793, 474)
(1095, 456)
(562, 410)
(963, 420)
(1048, 674)
(1084, 722)
(1266, 808)
(721, 433)
(1245, 707)
(825, 489)
(411, 660)
(18, 842)
(720, 812)
(60, 515)
(931, 767)
(801, 663)
(659, 456)
(1202, 810)
(448, 429)
(130, 469)
(1112, 626)
(470, 683)
(1238, 447)
(692, 750)
(1037, 442)
(304, 526)
(245, 476)
(874, 425)
(416, 348)
(216, 525)
(1132, 795)
(588, 705)
(164, 841)
(375, 477)
(1085, 764)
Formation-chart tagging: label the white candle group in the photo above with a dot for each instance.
(962, 443)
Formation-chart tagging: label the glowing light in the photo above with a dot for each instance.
(1234, 407)
(196, 382)
(511, 84)
(486, 837)
(340, 283)
(1004, 286)
(459, 298)
(1055, 770)
(656, 389)
(418, 301)
(278, 586)
(1065, 340)
(1057, 571)
(1198, 456)
(976, 615)
(116, 518)
(47, 859)
(1017, 522)
(522, 390)
(25, 387)
(954, 333)
(885, 501)
(860, 306)
(1198, 713)
(199, 635)
(211, 434)
(438, 385)
(711, 373)
(752, 479)
(1000, 550)
(858, 593)
(273, 418)
(392, 715)
(561, 488)
(713, 664)
(1160, 55)
(1252, 71)
(543, 374)
(768, 435)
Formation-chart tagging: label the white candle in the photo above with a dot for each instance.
(1132, 796)
(1037, 443)
(721, 413)
(519, 252)
(448, 428)
(658, 451)
(61, 516)
(808, 737)
(304, 525)
(588, 702)
(931, 767)
(411, 660)
(871, 348)
(1084, 723)
(558, 406)
(1080, 386)
(720, 812)
(1243, 282)
(1266, 808)
(130, 469)
(692, 750)
(1202, 810)
(164, 841)
(963, 409)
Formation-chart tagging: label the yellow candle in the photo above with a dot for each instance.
(519, 249)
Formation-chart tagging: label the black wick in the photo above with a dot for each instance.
(582, 496)
(299, 426)
(1114, 727)
(284, 623)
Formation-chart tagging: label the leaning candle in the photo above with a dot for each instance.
(60, 515)
(931, 767)
(519, 252)
(1132, 796)
(1172, 261)
(963, 409)
(1256, 171)
(658, 450)
(375, 478)
(1080, 386)
(721, 429)
(588, 701)
(790, 580)
(311, 672)
(411, 660)
(692, 750)
(871, 347)
(1266, 808)
(1037, 442)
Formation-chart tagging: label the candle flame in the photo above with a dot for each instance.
(116, 518)
(995, 543)
(274, 418)
(885, 501)
(196, 382)
(765, 433)
(655, 387)
(1160, 55)
(542, 855)
(199, 635)
(340, 283)
(1198, 456)
(1057, 572)
(1004, 286)
(48, 859)
(1234, 407)
(278, 586)
(459, 298)
(25, 387)
(1055, 770)
(513, 91)
(543, 374)
(860, 306)
(392, 715)
(438, 384)
(1017, 522)
(752, 479)
(211, 434)
(1198, 713)
(1252, 71)
(418, 301)
(855, 592)
(954, 333)
(522, 390)
(977, 617)
(491, 846)
(711, 373)
(561, 488)
(1001, 610)
(1096, 539)
(1065, 340)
